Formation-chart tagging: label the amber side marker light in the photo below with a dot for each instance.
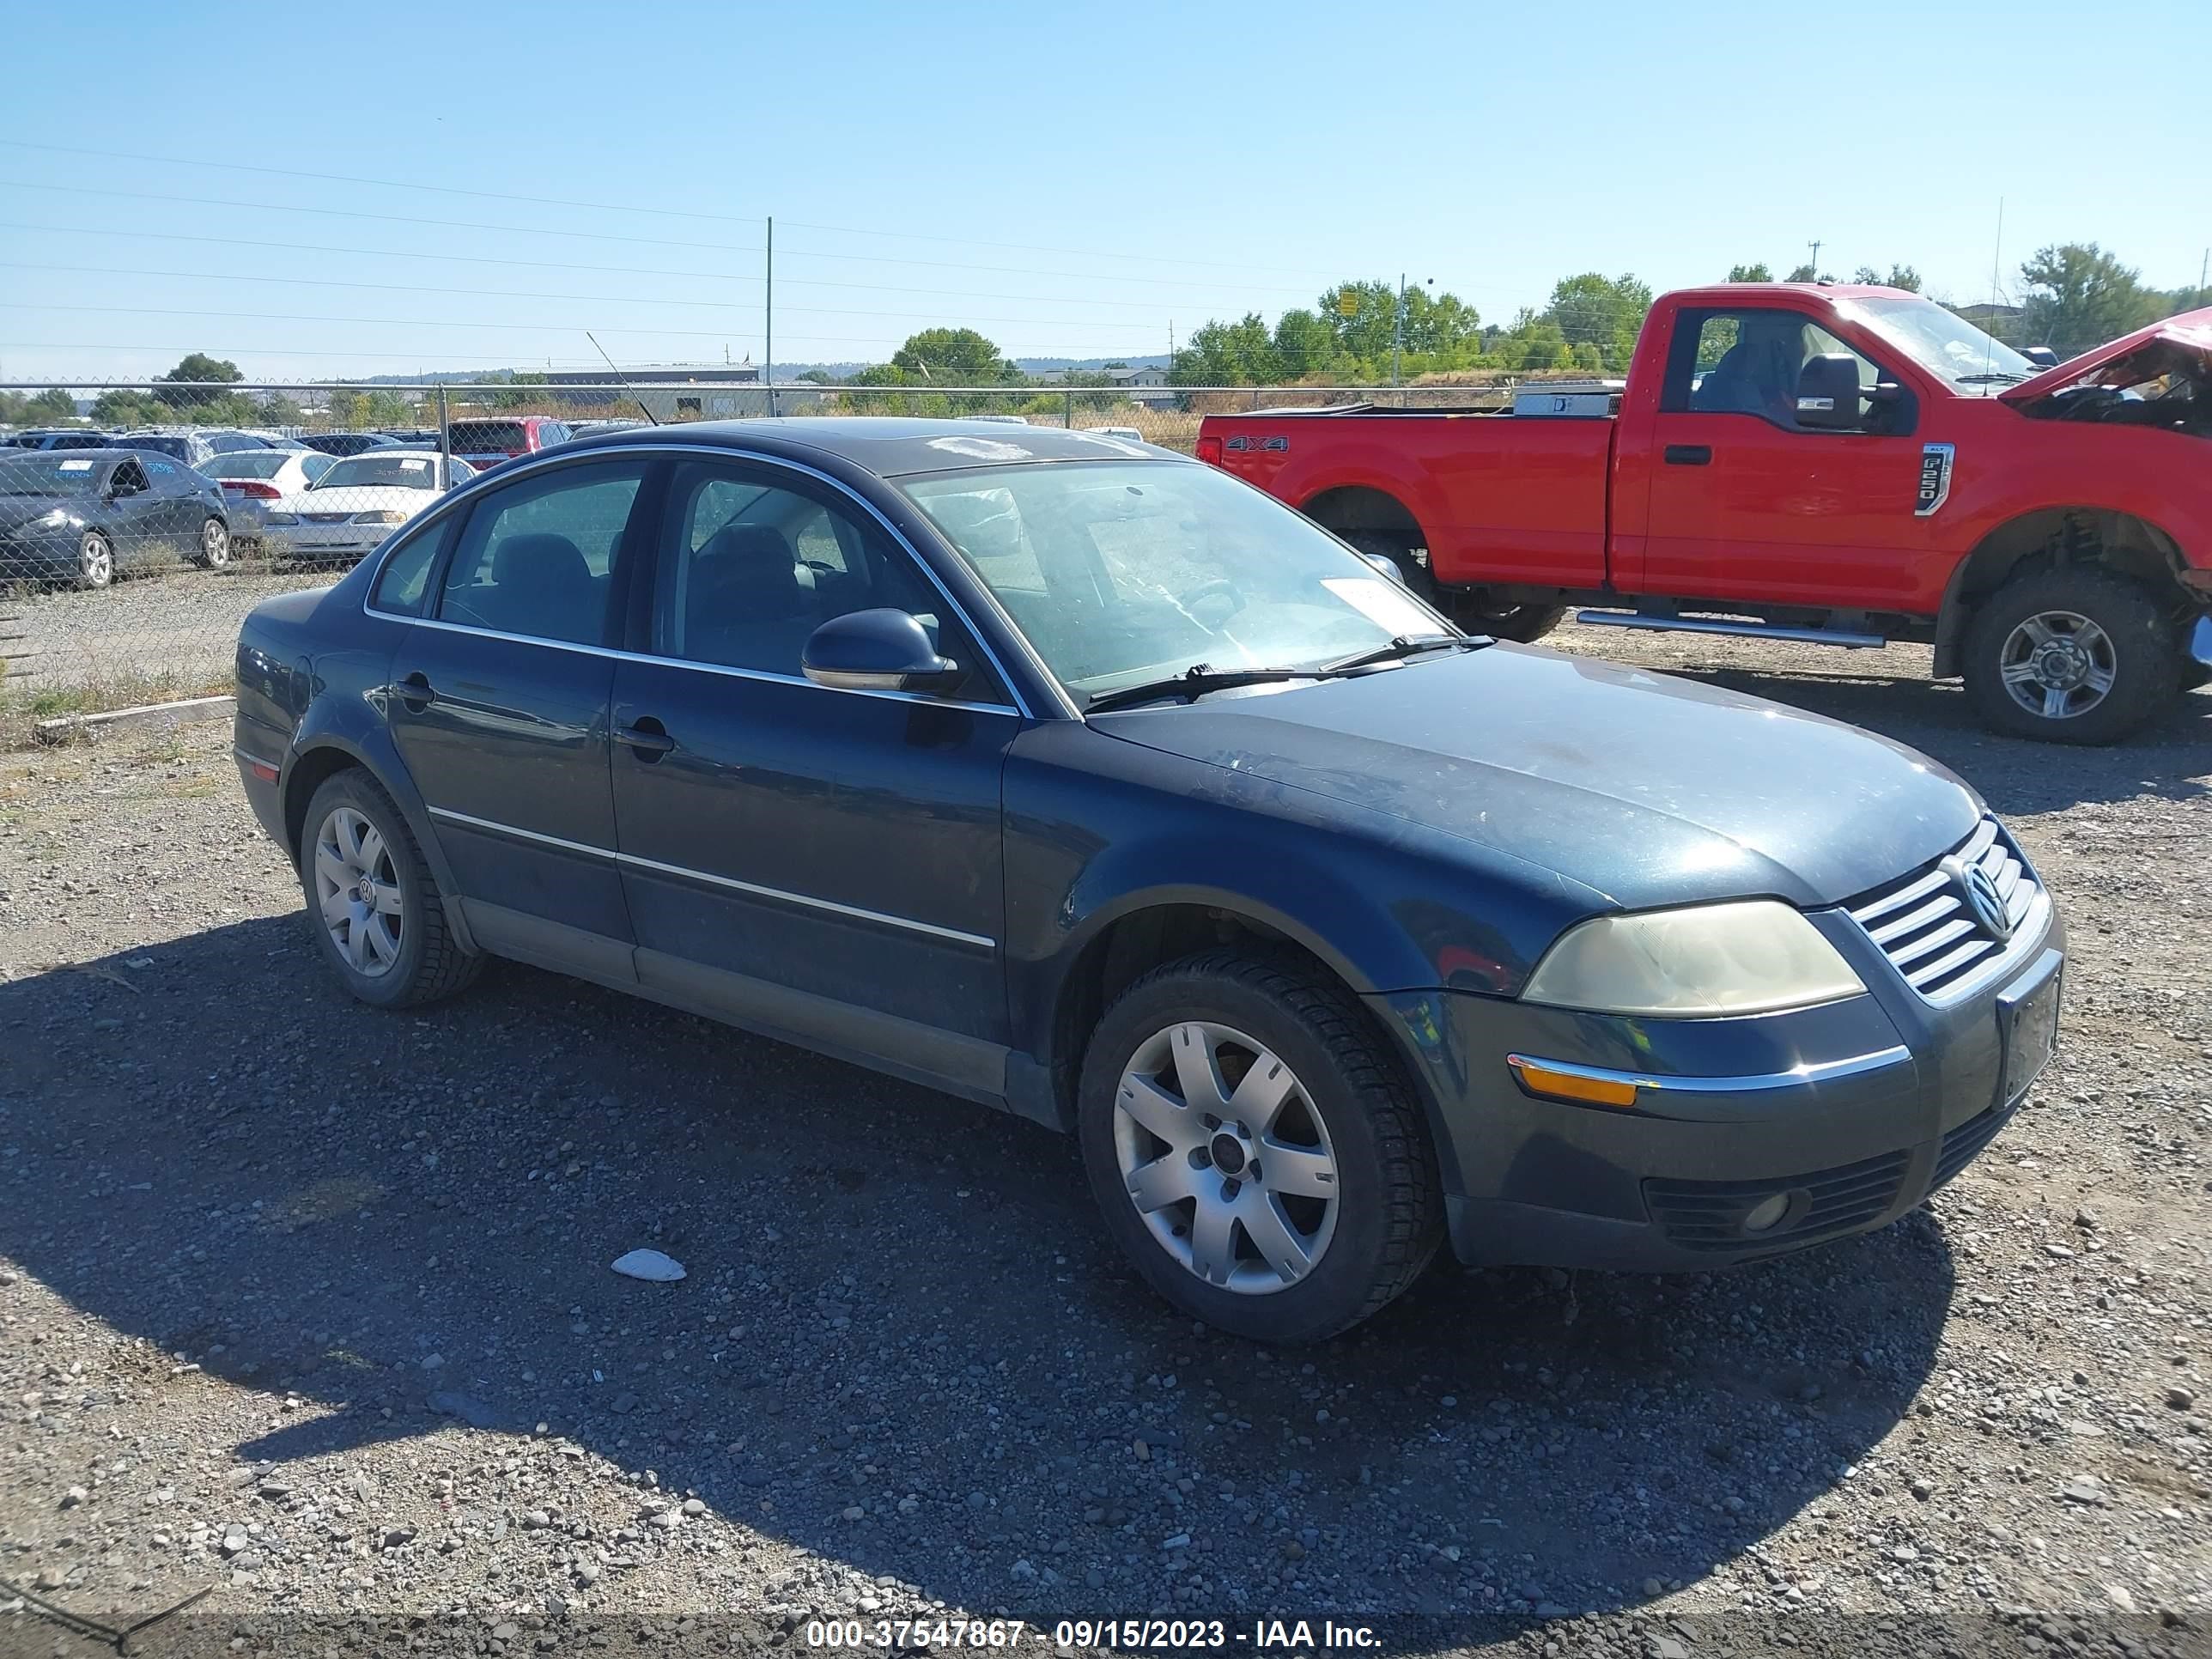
(1541, 1079)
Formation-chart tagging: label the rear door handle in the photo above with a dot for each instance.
(648, 738)
(1689, 454)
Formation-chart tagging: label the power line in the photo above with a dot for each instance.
(561, 265)
(620, 207)
(595, 235)
(746, 306)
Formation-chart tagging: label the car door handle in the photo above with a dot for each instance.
(1689, 454)
(416, 691)
(648, 738)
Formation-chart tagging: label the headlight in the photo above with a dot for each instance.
(1749, 958)
(282, 518)
(386, 517)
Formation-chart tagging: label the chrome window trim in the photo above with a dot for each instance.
(1821, 1071)
(553, 460)
(804, 900)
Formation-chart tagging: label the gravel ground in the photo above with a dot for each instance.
(308, 1307)
(170, 624)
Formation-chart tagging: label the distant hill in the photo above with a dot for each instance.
(784, 372)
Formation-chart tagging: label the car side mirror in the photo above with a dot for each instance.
(879, 650)
(1828, 392)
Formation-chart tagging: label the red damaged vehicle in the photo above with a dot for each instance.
(1843, 465)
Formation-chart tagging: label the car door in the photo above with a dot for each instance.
(816, 863)
(1746, 504)
(137, 518)
(498, 705)
(177, 488)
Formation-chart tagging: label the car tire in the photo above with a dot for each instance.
(95, 560)
(397, 949)
(1345, 1123)
(214, 544)
(2080, 655)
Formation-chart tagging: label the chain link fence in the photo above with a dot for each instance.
(132, 541)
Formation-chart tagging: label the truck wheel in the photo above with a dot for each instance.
(1255, 1150)
(1526, 623)
(2077, 654)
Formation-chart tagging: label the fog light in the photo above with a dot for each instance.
(1767, 1212)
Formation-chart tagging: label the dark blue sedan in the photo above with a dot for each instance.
(1077, 778)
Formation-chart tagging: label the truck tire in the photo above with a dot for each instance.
(1523, 622)
(2076, 654)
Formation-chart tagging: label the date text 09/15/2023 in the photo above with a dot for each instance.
(1070, 1635)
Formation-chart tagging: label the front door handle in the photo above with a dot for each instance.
(648, 738)
(416, 691)
(1689, 454)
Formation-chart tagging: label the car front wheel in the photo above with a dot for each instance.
(95, 560)
(376, 910)
(1255, 1149)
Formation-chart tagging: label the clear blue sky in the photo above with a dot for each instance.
(1069, 178)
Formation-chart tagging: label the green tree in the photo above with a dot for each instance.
(953, 356)
(1601, 311)
(198, 367)
(1304, 344)
(1904, 277)
(2079, 295)
(1241, 353)
(52, 404)
(517, 398)
(1760, 273)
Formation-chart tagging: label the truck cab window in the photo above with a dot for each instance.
(1748, 363)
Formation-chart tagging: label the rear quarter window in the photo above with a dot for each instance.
(404, 584)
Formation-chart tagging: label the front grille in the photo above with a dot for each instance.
(1964, 1144)
(1707, 1216)
(325, 517)
(1924, 925)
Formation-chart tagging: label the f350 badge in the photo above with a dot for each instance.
(1936, 460)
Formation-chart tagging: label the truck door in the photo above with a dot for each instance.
(1746, 504)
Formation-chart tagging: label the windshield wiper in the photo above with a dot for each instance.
(1193, 682)
(2000, 377)
(1405, 644)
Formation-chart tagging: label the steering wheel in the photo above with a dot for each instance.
(1219, 588)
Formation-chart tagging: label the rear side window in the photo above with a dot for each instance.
(537, 557)
(404, 582)
(482, 437)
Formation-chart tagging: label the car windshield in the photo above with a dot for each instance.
(389, 469)
(178, 448)
(53, 472)
(1121, 573)
(247, 464)
(1939, 339)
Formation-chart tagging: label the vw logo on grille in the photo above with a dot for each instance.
(1983, 900)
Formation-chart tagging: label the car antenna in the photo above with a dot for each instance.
(651, 419)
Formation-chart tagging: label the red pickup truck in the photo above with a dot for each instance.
(1844, 465)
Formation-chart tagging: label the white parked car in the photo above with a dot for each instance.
(360, 501)
(255, 480)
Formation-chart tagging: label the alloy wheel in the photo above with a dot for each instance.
(95, 560)
(2058, 664)
(357, 888)
(214, 544)
(1225, 1158)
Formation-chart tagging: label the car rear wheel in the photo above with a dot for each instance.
(95, 560)
(2076, 654)
(214, 544)
(1254, 1148)
(377, 913)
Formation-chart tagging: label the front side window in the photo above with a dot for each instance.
(750, 567)
(538, 558)
(129, 479)
(1748, 363)
(1125, 572)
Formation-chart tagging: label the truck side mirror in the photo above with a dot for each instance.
(1828, 392)
(2041, 357)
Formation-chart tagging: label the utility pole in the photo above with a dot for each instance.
(1816, 246)
(2203, 271)
(768, 345)
(1398, 329)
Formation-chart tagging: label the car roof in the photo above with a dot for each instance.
(891, 445)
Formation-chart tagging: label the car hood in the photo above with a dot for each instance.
(1649, 789)
(2191, 333)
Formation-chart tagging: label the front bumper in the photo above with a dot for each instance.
(28, 555)
(1851, 1113)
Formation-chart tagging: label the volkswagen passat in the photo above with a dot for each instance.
(1077, 778)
